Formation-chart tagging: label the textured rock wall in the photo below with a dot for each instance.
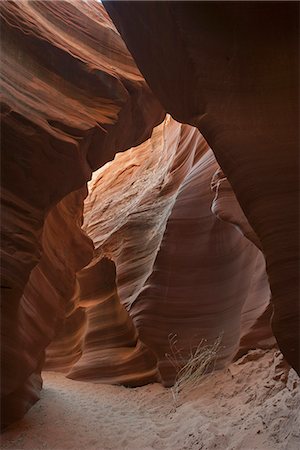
(29, 325)
(152, 258)
(111, 351)
(70, 96)
(208, 280)
(179, 269)
(125, 214)
(232, 70)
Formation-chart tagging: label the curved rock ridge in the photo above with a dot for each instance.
(29, 325)
(66, 347)
(71, 97)
(72, 51)
(208, 281)
(111, 351)
(131, 198)
(179, 269)
(226, 207)
(232, 70)
(67, 106)
(125, 215)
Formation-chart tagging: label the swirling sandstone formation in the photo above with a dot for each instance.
(168, 243)
(177, 269)
(232, 70)
(71, 97)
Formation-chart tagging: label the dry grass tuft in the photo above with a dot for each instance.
(190, 373)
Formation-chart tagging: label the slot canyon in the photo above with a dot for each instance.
(150, 220)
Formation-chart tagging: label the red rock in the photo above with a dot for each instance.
(171, 243)
(179, 269)
(68, 104)
(232, 70)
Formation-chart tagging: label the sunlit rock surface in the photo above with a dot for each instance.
(179, 270)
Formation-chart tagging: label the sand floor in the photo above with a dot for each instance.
(253, 405)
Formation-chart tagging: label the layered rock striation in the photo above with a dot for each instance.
(177, 225)
(179, 270)
(71, 94)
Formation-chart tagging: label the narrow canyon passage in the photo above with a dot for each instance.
(252, 405)
(149, 225)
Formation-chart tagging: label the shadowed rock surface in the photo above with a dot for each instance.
(232, 70)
